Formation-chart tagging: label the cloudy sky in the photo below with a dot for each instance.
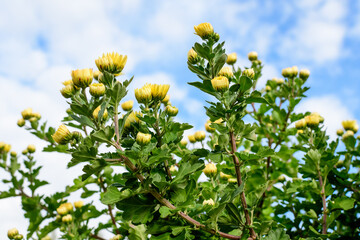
(42, 41)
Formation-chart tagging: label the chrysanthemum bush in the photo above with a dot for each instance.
(270, 173)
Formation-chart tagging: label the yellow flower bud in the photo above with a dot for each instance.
(7, 148)
(312, 121)
(249, 72)
(128, 105)
(350, 125)
(301, 124)
(78, 204)
(199, 136)
(97, 89)
(300, 131)
(24, 152)
(287, 72)
(33, 119)
(220, 84)
(62, 135)
(13, 154)
(171, 111)
(18, 237)
(208, 128)
(321, 119)
(192, 138)
(159, 91)
(111, 62)
(96, 113)
(21, 122)
(281, 178)
(12, 233)
(339, 132)
(27, 113)
(210, 170)
(68, 206)
(348, 134)
(68, 91)
(224, 176)
(267, 88)
(226, 72)
(204, 30)
(278, 80)
(304, 74)
(232, 180)
(166, 99)
(143, 95)
(192, 56)
(209, 202)
(183, 142)
(252, 56)
(67, 218)
(62, 210)
(132, 118)
(31, 148)
(231, 58)
(96, 74)
(294, 71)
(143, 138)
(82, 78)
(2, 145)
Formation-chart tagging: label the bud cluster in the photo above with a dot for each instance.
(4, 147)
(312, 121)
(148, 92)
(14, 234)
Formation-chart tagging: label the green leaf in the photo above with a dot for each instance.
(138, 209)
(138, 232)
(164, 211)
(185, 170)
(111, 196)
(344, 203)
(117, 93)
(278, 234)
(104, 135)
(219, 63)
(83, 120)
(245, 83)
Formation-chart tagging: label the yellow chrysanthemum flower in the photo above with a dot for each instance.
(27, 113)
(62, 135)
(220, 84)
(204, 30)
(132, 118)
(143, 138)
(226, 72)
(253, 56)
(304, 74)
(231, 58)
(192, 56)
(68, 91)
(111, 62)
(143, 95)
(199, 136)
(128, 105)
(171, 110)
(210, 170)
(96, 113)
(159, 91)
(82, 78)
(97, 89)
(350, 125)
(249, 72)
(192, 138)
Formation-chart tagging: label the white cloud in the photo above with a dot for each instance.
(330, 107)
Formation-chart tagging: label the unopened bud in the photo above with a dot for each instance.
(204, 30)
(226, 72)
(27, 113)
(267, 88)
(348, 134)
(18, 237)
(82, 78)
(249, 73)
(97, 89)
(210, 170)
(287, 72)
(62, 135)
(192, 56)
(21, 122)
(13, 154)
(312, 121)
(224, 176)
(78, 204)
(192, 138)
(96, 74)
(350, 125)
(67, 218)
(339, 132)
(301, 124)
(68, 91)
(96, 113)
(12, 233)
(128, 105)
(304, 74)
(220, 84)
(294, 71)
(231, 58)
(173, 169)
(7, 148)
(209, 202)
(252, 56)
(171, 111)
(166, 99)
(199, 136)
(31, 148)
(208, 128)
(143, 138)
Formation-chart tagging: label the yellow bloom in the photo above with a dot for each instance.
(111, 62)
(78, 204)
(350, 125)
(209, 202)
(208, 128)
(278, 80)
(62, 135)
(31, 148)
(7, 148)
(62, 210)
(312, 121)
(132, 118)
(220, 84)
(67, 218)
(301, 124)
(171, 111)
(287, 72)
(68, 206)
(183, 142)
(252, 56)
(27, 113)
(166, 99)
(231, 58)
(96, 74)
(36, 115)
(192, 138)
(294, 71)
(67, 91)
(199, 135)
(21, 122)
(204, 30)
(339, 132)
(96, 113)
(159, 91)
(304, 74)
(128, 105)
(192, 56)
(143, 138)
(82, 78)
(12, 233)
(143, 95)
(321, 119)
(226, 72)
(249, 72)
(97, 89)
(13, 154)
(210, 170)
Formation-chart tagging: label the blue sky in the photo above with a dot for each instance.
(42, 41)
